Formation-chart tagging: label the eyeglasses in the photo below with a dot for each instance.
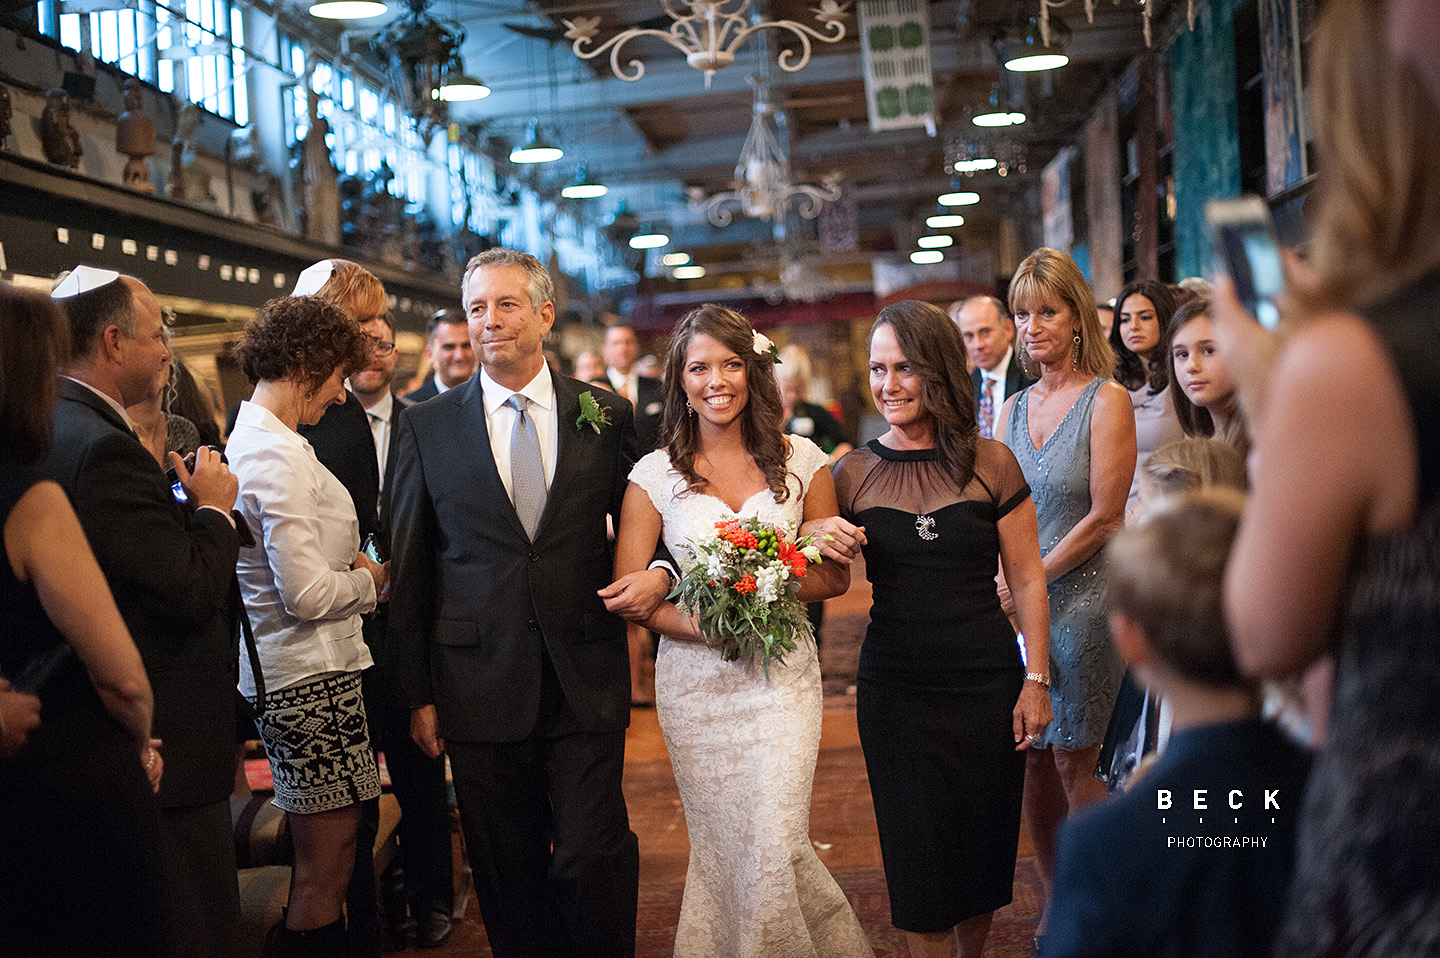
(382, 347)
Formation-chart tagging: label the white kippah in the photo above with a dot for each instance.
(82, 279)
(313, 278)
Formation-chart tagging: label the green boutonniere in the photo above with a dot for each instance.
(592, 412)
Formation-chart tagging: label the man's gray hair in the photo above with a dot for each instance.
(538, 282)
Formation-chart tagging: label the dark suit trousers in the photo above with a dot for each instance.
(418, 783)
(561, 787)
(200, 879)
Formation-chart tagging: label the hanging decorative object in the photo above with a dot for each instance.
(895, 52)
(762, 187)
(425, 68)
(708, 35)
(973, 151)
(1147, 7)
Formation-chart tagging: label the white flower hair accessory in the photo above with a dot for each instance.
(763, 346)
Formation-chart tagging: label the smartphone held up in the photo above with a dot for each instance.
(1243, 246)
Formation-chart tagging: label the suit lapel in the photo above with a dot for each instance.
(475, 434)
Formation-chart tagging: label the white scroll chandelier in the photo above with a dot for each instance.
(708, 35)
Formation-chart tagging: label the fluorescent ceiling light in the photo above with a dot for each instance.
(944, 221)
(924, 256)
(584, 191)
(676, 259)
(648, 240)
(934, 242)
(348, 9)
(959, 199)
(689, 272)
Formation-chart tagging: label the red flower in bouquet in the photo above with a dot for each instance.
(790, 554)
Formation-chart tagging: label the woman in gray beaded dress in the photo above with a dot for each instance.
(1073, 433)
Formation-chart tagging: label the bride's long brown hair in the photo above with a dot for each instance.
(761, 421)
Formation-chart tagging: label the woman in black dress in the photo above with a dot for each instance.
(79, 823)
(946, 705)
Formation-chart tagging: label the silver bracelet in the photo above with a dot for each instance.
(1038, 678)
(150, 760)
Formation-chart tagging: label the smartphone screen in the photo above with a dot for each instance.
(1244, 248)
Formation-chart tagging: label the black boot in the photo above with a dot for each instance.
(327, 941)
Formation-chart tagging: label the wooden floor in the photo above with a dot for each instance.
(842, 818)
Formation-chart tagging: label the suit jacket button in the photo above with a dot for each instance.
(534, 557)
(533, 626)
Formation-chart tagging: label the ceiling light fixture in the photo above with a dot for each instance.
(348, 9)
(959, 199)
(423, 55)
(944, 221)
(999, 113)
(649, 241)
(1037, 52)
(583, 189)
(975, 166)
(934, 242)
(536, 149)
(924, 257)
(675, 259)
(762, 187)
(459, 88)
(998, 118)
(708, 35)
(688, 272)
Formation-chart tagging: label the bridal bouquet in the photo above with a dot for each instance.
(743, 586)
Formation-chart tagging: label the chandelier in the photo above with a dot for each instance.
(423, 56)
(1146, 8)
(762, 187)
(708, 35)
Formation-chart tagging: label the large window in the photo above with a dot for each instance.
(192, 48)
(366, 127)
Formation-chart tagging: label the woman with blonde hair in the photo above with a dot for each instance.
(1073, 433)
(1336, 555)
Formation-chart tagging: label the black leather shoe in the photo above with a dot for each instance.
(433, 929)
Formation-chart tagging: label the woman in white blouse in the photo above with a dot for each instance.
(305, 590)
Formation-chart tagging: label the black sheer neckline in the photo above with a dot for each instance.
(901, 455)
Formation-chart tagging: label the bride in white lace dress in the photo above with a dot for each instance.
(743, 745)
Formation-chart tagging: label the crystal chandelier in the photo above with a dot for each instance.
(708, 35)
(762, 187)
(423, 55)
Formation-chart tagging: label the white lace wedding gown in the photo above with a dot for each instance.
(744, 750)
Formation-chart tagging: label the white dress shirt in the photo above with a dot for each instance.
(303, 599)
(500, 420)
(626, 384)
(380, 416)
(440, 387)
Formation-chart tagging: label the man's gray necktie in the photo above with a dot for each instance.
(527, 470)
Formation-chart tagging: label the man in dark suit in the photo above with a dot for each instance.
(509, 659)
(647, 395)
(171, 570)
(996, 373)
(449, 353)
(354, 441)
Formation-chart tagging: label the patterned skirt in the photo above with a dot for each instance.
(318, 743)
